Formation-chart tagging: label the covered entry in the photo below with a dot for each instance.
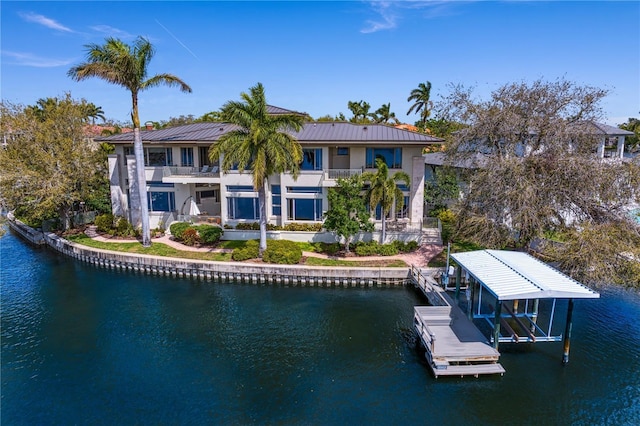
(505, 289)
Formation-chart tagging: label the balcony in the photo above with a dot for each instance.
(334, 174)
(206, 174)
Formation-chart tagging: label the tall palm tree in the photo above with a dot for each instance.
(384, 114)
(421, 104)
(383, 190)
(93, 112)
(262, 143)
(123, 65)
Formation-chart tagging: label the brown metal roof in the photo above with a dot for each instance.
(314, 132)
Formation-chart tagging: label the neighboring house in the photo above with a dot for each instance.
(183, 181)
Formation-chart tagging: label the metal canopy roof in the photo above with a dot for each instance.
(511, 275)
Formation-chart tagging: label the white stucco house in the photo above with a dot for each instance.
(183, 181)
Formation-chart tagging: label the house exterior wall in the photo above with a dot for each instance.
(310, 184)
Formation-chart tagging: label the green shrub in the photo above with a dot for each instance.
(283, 252)
(251, 250)
(448, 221)
(190, 237)
(104, 222)
(124, 228)
(303, 227)
(327, 248)
(178, 228)
(387, 250)
(366, 249)
(227, 226)
(405, 247)
(411, 246)
(248, 226)
(209, 234)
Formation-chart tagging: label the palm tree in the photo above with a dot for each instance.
(360, 111)
(261, 143)
(123, 65)
(384, 114)
(421, 104)
(383, 190)
(93, 112)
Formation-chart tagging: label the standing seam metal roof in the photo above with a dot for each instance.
(311, 132)
(511, 275)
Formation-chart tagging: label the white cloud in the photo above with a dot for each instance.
(112, 32)
(43, 20)
(387, 21)
(27, 59)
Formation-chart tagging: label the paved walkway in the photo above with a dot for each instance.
(419, 258)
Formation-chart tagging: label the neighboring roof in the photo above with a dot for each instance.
(511, 275)
(274, 110)
(440, 159)
(610, 130)
(311, 132)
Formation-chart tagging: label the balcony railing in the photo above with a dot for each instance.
(341, 173)
(176, 171)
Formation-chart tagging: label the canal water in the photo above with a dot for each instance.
(83, 345)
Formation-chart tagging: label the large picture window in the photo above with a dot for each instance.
(243, 208)
(276, 199)
(304, 209)
(186, 157)
(311, 159)
(391, 156)
(161, 201)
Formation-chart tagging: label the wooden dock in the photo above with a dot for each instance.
(454, 346)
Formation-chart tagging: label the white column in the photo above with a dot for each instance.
(416, 199)
(134, 195)
(118, 200)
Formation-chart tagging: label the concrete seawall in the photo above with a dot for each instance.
(254, 273)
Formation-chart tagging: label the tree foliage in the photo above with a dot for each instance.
(385, 115)
(360, 111)
(347, 214)
(127, 66)
(48, 164)
(262, 144)
(539, 172)
(442, 188)
(421, 102)
(632, 143)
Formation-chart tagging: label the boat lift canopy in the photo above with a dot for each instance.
(512, 275)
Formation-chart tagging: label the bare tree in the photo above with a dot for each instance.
(539, 174)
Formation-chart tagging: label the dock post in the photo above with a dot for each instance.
(470, 297)
(534, 315)
(567, 333)
(496, 324)
(458, 279)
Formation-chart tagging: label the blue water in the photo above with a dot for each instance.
(83, 345)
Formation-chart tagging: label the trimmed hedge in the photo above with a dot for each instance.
(209, 234)
(104, 222)
(282, 252)
(251, 250)
(192, 234)
(178, 228)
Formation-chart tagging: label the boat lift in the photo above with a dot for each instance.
(504, 289)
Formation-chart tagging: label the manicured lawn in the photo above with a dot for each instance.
(156, 249)
(390, 263)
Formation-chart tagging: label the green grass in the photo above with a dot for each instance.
(156, 249)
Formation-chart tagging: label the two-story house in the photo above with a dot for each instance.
(182, 180)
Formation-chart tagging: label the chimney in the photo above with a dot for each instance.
(148, 125)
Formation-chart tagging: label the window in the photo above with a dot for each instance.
(153, 157)
(161, 201)
(276, 199)
(391, 156)
(311, 159)
(157, 157)
(159, 184)
(404, 213)
(240, 188)
(304, 189)
(203, 154)
(304, 209)
(186, 156)
(243, 208)
(213, 193)
(343, 150)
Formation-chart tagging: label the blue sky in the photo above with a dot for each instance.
(317, 56)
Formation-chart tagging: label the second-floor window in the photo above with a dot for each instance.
(154, 157)
(391, 156)
(311, 159)
(186, 157)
